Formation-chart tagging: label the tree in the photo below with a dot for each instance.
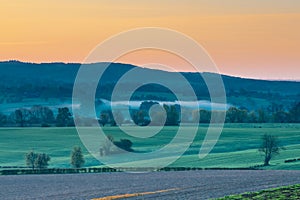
(235, 115)
(252, 117)
(37, 160)
(22, 116)
(30, 158)
(104, 118)
(19, 117)
(3, 119)
(172, 115)
(140, 117)
(269, 147)
(280, 117)
(119, 118)
(262, 116)
(295, 113)
(231, 115)
(106, 146)
(205, 116)
(42, 160)
(124, 144)
(158, 118)
(48, 116)
(77, 159)
(63, 117)
(41, 114)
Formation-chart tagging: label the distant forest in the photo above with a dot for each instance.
(44, 116)
(36, 85)
(22, 81)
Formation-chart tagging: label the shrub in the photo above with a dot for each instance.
(45, 125)
(124, 144)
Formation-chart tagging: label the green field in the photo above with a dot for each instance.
(237, 146)
(282, 193)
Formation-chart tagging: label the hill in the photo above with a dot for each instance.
(22, 81)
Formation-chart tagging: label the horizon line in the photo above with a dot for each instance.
(224, 74)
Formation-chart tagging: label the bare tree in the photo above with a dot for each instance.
(269, 147)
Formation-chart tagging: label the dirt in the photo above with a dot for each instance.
(154, 185)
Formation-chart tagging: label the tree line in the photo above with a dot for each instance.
(273, 114)
(174, 115)
(37, 116)
(149, 112)
(168, 115)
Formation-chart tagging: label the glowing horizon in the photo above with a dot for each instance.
(257, 39)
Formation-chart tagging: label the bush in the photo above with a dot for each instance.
(109, 143)
(45, 125)
(124, 144)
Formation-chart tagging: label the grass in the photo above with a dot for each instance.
(287, 192)
(57, 142)
(237, 146)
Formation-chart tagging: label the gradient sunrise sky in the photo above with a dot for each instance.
(248, 38)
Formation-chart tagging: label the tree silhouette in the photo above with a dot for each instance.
(30, 158)
(77, 159)
(269, 147)
(63, 117)
(42, 160)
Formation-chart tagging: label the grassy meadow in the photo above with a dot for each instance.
(281, 193)
(237, 146)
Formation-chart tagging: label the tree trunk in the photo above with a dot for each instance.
(267, 160)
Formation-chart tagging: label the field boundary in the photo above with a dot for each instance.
(5, 171)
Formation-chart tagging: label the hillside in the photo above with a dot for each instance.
(20, 82)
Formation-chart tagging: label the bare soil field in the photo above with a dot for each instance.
(154, 185)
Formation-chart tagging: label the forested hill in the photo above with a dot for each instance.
(19, 81)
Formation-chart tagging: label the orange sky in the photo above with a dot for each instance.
(256, 38)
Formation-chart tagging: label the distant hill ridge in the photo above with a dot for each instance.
(15, 74)
(66, 72)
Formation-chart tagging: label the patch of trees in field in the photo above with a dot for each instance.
(40, 161)
(37, 160)
(111, 146)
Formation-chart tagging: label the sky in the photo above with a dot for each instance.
(256, 38)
